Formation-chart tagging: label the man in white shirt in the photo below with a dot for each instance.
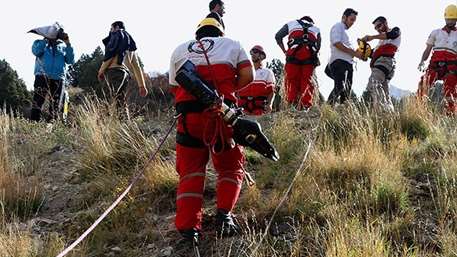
(257, 98)
(341, 59)
(443, 63)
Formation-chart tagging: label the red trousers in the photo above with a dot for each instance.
(298, 84)
(447, 73)
(259, 91)
(450, 87)
(191, 166)
(450, 93)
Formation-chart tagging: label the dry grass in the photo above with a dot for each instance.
(112, 150)
(17, 243)
(416, 120)
(161, 177)
(20, 196)
(352, 239)
(448, 238)
(290, 141)
(349, 160)
(355, 168)
(353, 197)
(446, 190)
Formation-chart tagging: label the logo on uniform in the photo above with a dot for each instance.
(196, 47)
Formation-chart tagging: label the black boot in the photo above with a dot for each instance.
(225, 225)
(188, 245)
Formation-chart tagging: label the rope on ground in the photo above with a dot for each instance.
(133, 181)
(312, 140)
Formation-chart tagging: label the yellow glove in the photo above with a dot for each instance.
(365, 49)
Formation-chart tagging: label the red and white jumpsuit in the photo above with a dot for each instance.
(196, 128)
(443, 66)
(253, 98)
(300, 66)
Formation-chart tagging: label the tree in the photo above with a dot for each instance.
(84, 72)
(278, 69)
(13, 91)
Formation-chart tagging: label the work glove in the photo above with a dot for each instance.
(421, 66)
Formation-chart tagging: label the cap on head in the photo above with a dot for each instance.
(258, 49)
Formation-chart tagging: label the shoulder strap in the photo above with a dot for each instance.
(304, 25)
(205, 53)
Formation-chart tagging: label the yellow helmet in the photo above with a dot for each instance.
(451, 12)
(364, 48)
(210, 22)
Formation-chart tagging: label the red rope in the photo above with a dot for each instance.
(214, 115)
(217, 134)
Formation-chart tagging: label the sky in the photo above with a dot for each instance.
(159, 26)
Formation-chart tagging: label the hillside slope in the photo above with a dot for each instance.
(374, 185)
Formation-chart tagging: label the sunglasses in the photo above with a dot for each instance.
(255, 51)
(378, 26)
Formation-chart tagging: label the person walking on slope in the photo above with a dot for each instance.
(382, 62)
(217, 11)
(257, 98)
(443, 63)
(119, 62)
(52, 54)
(304, 42)
(224, 65)
(340, 68)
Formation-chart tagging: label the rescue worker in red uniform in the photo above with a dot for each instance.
(257, 98)
(224, 65)
(383, 63)
(443, 63)
(304, 42)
